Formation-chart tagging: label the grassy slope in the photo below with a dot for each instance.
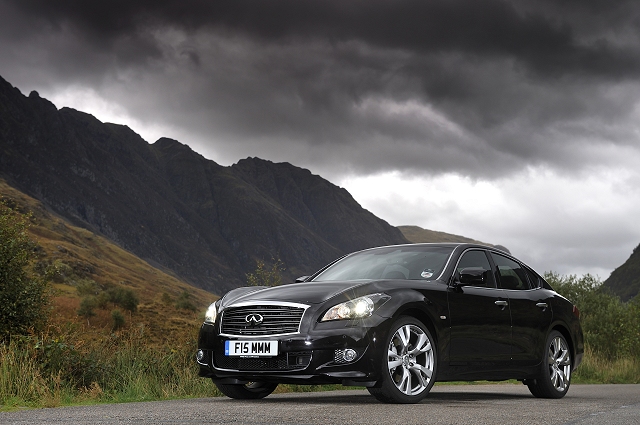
(82, 256)
(417, 234)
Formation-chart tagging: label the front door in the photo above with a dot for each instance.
(480, 319)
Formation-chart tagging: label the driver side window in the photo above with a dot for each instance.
(477, 259)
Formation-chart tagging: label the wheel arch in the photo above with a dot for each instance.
(423, 316)
(567, 336)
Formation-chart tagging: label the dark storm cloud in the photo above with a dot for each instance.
(547, 44)
(360, 85)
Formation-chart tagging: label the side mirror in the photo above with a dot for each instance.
(472, 276)
(302, 279)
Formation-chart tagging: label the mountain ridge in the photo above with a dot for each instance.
(624, 281)
(174, 208)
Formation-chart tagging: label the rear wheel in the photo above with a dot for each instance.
(409, 363)
(555, 376)
(248, 391)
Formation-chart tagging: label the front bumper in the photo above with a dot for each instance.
(314, 357)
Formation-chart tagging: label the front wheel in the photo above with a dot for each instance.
(248, 391)
(555, 376)
(409, 363)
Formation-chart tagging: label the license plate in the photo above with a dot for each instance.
(251, 348)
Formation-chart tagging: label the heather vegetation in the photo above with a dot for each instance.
(104, 341)
(59, 366)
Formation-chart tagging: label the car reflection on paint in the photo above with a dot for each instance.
(396, 319)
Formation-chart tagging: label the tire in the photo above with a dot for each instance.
(555, 374)
(248, 391)
(409, 363)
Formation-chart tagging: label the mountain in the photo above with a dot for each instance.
(625, 280)
(74, 258)
(174, 208)
(417, 234)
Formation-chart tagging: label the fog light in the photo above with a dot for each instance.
(350, 355)
(200, 355)
(345, 356)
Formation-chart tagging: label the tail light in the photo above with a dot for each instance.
(576, 312)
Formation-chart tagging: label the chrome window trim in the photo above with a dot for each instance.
(446, 265)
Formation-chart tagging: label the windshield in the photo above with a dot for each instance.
(396, 262)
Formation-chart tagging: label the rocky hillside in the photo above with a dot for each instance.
(625, 280)
(172, 207)
(416, 234)
(79, 264)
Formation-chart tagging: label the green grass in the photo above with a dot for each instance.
(64, 370)
(599, 369)
(50, 372)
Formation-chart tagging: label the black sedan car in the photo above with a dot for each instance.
(396, 319)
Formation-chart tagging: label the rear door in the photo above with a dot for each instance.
(530, 309)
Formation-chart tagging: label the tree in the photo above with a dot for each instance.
(264, 276)
(23, 297)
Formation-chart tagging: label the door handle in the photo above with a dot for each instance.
(501, 303)
(542, 305)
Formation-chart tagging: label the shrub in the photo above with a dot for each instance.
(611, 328)
(86, 287)
(118, 319)
(166, 299)
(184, 302)
(124, 298)
(86, 308)
(264, 276)
(23, 297)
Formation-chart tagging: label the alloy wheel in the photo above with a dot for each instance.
(410, 360)
(559, 364)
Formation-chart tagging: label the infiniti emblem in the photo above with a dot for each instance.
(254, 319)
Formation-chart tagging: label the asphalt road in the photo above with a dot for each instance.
(446, 404)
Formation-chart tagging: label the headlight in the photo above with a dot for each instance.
(355, 309)
(212, 313)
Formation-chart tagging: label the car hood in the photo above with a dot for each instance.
(305, 293)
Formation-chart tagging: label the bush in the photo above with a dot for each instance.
(22, 296)
(166, 299)
(86, 287)
(86, 308)
(611, 328)
(118, 319)
(184, 302)
(124, 298)
(264, 276)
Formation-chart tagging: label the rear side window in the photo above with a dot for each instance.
(512, 275)
(534, 279)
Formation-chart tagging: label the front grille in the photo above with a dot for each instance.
(284, 361)
(276, 320)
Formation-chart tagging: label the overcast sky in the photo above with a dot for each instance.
(511, 122)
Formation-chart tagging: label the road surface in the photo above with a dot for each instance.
(446, 404)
